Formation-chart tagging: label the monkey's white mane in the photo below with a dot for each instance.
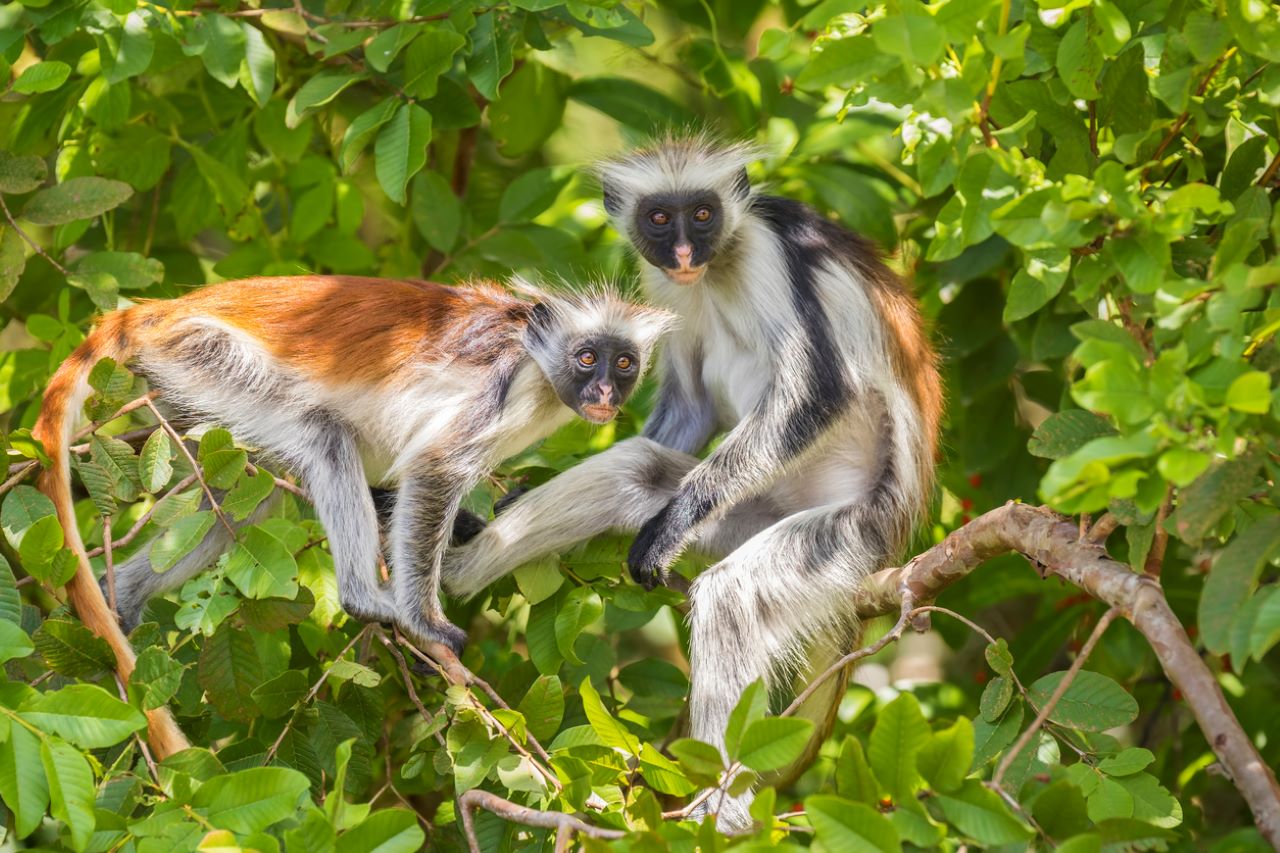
(599, 308)
(677, 163)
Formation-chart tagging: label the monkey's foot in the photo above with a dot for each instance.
(423, 632)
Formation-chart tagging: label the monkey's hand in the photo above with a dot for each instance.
(656, 547)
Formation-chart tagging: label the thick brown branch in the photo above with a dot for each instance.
(1054, 547)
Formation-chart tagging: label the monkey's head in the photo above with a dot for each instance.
(593, 347)
(680, 202)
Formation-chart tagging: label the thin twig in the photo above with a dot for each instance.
(1058, 692)
(111, 566)
(30, 242)
(997, 65)
(195, 466)
(1270, 174)
(1102, 528)
(1155, 557)
(1181, 120)
(144, 518)
(313, 692)
(474, 799)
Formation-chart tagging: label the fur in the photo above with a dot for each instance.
(801, 343)
(346, 381)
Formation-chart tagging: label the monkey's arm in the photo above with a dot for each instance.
(783, 425)
(684, 417)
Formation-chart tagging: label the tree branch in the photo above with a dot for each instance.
(507, 810)
(1053, 546)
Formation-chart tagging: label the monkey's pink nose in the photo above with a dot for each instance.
(606, 392)
(684, 255)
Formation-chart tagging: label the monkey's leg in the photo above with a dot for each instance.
(617, 490)
(329, 464)
(757, 613)
(420, 530)
(137, 581)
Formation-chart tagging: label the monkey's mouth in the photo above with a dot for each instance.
(686, 275)
(599, 413)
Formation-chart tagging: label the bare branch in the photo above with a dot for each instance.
(507, 810)
(1053, 545)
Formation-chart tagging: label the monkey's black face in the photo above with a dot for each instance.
(600, 375)
(679, 232)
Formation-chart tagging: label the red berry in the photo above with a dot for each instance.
(980, 677)
(966, 504)
(975, 480)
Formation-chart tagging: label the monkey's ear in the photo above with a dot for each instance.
(539, 315)
(742, 185)
(612, 200)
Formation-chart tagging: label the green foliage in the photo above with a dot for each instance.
(1082, 192)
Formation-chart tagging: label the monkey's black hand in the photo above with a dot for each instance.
(655, 548)
(504, 503)
(466, 526)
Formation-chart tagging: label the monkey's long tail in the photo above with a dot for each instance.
(63, 399)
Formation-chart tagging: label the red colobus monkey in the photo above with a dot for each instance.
(796, 339)
(348, 381)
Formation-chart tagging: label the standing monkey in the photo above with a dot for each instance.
(798, 340)
(347, 381)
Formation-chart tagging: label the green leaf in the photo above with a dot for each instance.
(1233, 579)
(980, 814)
(382, 49)
(1093, 702)
(653, 677)
(71, 649)
(426, 58)
(996, 697)
(157, 675)
(251, 800)
(316, 92)
(1265, 631)
(221, 44)
(281, 693)
(543, 707)
(491, 52)
(10, 598)
(1182, 465)
(222, 468)
(611, 732)
(154, 467)
(1063, 433)
(1214, 494)
(917, 39)
(531, 193)
(249, 493)
(71, 789)
(229, 670)
(258, 68)
(21, 174)
(945, 759)
(436, 211)
(540, 579)
(1250, 392)
(385, 831)
(844, 826)
(1037, 283)
(853, 775)
(23, 783)
(180, 540)
(14, 642)
(42, 77)
(633, 104)
(1142, 258)
(75, 199)
(1080, 59)
(898, 736)
(663, 774)
(580, 608)
(40, 544)
(363, 129)
(126, 51)
(13, 260)
(845, 62)
(261, 566)
(774, 742)
(22, 508)
(700, 758)
(401, 149)
(86, 715)
(130, 270)
(1126, 762)
(750, 708)
(529, 109)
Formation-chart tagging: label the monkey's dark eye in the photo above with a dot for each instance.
(702, 214)
(624, 362)
(659, 217)
(586, 358)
